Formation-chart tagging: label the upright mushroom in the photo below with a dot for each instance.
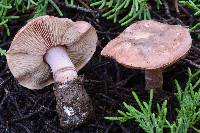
(151, 46)
(50, 49)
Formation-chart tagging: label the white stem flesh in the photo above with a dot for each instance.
(62, 67)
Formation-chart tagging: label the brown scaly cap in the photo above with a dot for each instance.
(26, 53)
(149, 44)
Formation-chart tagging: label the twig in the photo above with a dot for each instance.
(109, 127)
(102, 64)
(160, 17)
(96, 126)
(56, 130)
(123, 128)
(107, 32)
(109, 99)
(118, 71)
(81, 9)
(4, 81)
(5, 43)
(176, 6)
(123, 82)
(27, 116)
(105, 76)
(192, 63)
(196, 48)
(4, 98)
(6, 129)
(191, 20)
(4, 71)
(16, 106)
(24, 127)
(168, 13)
(86, 6)
(83, 3)
(93, 81)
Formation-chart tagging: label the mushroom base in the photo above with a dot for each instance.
(153, 79)
(73, 103)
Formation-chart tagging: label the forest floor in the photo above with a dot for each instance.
(107, 83)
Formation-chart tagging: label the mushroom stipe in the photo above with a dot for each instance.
(73, 103)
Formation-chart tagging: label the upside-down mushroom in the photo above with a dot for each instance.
(151, 46)
(52, 50)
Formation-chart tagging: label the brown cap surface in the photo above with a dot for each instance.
(149, 44)
(26, 53)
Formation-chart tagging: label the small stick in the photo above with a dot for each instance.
(176, 6)
(81, 9)
(109, 127)
(196, 48)
(192, 63)
(123, 128)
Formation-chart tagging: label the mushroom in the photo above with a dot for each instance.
(50, 49)
(151, 46)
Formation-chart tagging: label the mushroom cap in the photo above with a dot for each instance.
(25, 56)
(149, 44)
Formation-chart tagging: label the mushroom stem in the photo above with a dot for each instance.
(62, 67)
(73, 103)
(153, 79)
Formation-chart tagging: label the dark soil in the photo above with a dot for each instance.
(107, 83)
